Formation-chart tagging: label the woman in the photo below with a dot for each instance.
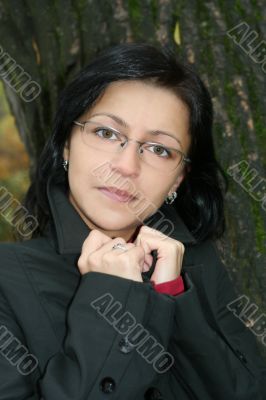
(120, 292)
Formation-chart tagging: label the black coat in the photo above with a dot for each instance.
(61, 335)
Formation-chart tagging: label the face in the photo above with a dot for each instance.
(143, 108)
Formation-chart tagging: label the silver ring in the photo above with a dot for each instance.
(119, 246)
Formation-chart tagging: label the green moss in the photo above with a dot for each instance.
(3, 103)
(178, 9)
(258, 112)
(260, 130)
(259, 227)
(206, 31)
(154, 11)
(235, 54)
(239, 8)
(256, 12)
(232, 110)
(134, 7)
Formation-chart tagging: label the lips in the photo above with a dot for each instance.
(121, 195)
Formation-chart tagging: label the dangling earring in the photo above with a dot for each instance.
(171, 198)
(65, 164)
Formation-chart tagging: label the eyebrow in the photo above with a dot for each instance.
(123, 123)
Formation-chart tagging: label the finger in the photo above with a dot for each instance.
(143, 260)
(108, 246)
(148, 260)
(146, 267)
(126, 245)
(94, 241)
(147, 249)
(152, 242)
(146, 230)
(142, 243)
(135, 251)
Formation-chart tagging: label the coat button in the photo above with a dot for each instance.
(153, 394)
(241, 356)
(107, 385)
(125, 346)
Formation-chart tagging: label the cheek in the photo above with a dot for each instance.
(154, 190)
(88, 169)
(79, 174)
(81, 162)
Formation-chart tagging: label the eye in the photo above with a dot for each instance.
(160, 151)
(106, 133)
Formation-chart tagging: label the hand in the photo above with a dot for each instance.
(170, 254)
(97, 256)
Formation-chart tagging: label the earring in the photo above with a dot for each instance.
(65, 164)
(171, 198)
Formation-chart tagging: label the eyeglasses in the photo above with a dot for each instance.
(162, 156)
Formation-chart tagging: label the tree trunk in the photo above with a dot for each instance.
(52, 40)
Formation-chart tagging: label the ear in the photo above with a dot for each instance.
(178, 181)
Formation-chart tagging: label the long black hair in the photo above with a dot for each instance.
(200, 196)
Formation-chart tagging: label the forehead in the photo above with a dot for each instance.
(143, 107)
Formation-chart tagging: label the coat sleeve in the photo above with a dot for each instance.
(93, 359)
(216, 354)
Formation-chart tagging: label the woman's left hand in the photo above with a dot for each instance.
(170, 254)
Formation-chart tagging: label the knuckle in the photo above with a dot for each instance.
(94, 232)
(123, 256)
(144, 229)
(84, 244)
(130, 245)
(106, 257)
(181, 247)
(81, 264)
(141, 250)
(120, 240)
(90, 258)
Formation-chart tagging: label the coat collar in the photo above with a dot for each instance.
(70, 230)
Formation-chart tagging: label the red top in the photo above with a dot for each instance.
(173, 287)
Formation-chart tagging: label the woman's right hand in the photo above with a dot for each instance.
(97, 256)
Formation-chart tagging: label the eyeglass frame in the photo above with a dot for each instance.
(183, 159)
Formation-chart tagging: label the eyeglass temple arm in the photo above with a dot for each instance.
(79, 123)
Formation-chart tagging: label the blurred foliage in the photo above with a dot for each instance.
(14, 161)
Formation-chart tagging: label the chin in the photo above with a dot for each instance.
(107, 219)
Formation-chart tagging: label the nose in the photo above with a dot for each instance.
(127, 160)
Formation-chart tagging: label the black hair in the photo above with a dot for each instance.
(200, 200)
